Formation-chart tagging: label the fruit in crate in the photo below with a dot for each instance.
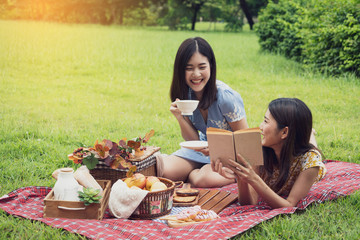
(138, 180)
(158, 186)
(150, 181)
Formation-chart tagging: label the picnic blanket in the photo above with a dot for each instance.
(342, 179)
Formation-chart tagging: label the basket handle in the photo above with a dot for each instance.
(179, 184)
(72, 209)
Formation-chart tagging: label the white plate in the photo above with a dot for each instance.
(196, 145)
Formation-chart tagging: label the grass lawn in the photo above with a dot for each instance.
(62, 85)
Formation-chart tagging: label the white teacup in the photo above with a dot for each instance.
(187, 107)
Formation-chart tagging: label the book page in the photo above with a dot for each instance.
(217, 130)
(257, 129)
(248, 144)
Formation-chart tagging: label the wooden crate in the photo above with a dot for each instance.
(76, 209)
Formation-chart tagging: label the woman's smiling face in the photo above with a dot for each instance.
(197, 73)
(272, 135)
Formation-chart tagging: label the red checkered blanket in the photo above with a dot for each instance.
(341, 179)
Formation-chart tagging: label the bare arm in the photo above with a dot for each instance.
(300, 189)
(188, 131)
(312, 138)
(302, 185)
(247, 195)
(238, 125)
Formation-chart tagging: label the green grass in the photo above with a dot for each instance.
(62, 85)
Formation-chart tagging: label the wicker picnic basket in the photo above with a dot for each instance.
(156, 204)
(145, 164)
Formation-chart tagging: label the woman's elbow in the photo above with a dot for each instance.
(286, 204)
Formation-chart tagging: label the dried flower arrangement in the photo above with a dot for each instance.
(114, 155)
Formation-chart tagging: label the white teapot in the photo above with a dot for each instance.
(66, 187)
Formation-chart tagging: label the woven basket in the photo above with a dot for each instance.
(104, 172)
(156, 204)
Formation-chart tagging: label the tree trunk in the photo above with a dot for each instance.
(121, 16)
(196, 10)
(248, 16)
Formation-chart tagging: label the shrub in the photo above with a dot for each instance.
(332, 37)
(279, 28)
(322, 34)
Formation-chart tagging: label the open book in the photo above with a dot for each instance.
(226, 145)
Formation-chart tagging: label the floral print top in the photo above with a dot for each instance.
(310, 159)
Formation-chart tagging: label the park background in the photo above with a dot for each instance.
(69, 77)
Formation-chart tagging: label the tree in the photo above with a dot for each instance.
(115, 9)
(212, 11)
(195, 5)
(233, 16)
(256, 5)
(247, 13)
(175, 15)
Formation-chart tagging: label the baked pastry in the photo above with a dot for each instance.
(179, 199)
(196, 214)
(185, 192)
(205, 215)
(85, 179)
(188, 214)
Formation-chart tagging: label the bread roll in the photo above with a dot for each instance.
(83, 176)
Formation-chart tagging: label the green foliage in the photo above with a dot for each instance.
(212, 11)
(233, 16)
(176, 15)
(79, 11)
(89, 196)
(279, 27)
(324, 35)
(332, 42)
(91, 161)
(143, 16)
(255, 6)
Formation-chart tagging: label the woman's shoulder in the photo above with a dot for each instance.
(226, 93)
(313, 158)
(313, 152)
(229, 103)
(310, 155)
(221, 86)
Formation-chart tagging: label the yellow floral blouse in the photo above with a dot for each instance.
(310, 159)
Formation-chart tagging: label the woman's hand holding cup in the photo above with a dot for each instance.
(174, 109)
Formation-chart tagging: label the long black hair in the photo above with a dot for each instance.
(179, 88)
(294, 114)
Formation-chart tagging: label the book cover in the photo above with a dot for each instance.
(224, 145)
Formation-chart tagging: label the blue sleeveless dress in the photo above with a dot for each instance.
(228, 107)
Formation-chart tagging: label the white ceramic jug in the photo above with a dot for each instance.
(66, 187)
